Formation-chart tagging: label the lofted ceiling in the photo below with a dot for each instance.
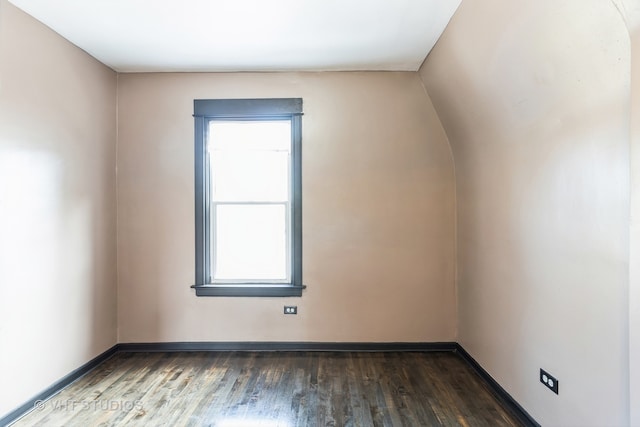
(249, 35)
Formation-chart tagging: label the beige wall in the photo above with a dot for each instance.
(377, 211)
(57, 207)
(534, 97)
(633, 21)
(634, 260)
(630, 10)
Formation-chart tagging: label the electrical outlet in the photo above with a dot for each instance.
(290, 309)
(549, 380)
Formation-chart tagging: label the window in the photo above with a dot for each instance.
(248, 197)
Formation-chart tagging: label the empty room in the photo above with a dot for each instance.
(320, 213)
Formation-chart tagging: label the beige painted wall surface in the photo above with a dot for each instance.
(377, 210)
(534, 97)
(630, 9)
(57, 207)
(634, 259)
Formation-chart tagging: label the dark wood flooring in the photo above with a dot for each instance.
(286, 389)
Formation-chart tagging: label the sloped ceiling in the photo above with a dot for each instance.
(249, 35)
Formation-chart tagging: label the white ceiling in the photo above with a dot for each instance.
(249, 35)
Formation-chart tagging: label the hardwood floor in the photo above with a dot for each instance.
(250, 389)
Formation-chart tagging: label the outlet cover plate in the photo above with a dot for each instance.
(549, 380)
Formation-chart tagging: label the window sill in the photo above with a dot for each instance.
(255, 290)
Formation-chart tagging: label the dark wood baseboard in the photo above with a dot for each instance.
(515, 408)
(286, 346)
(499, 392)
(57, 386)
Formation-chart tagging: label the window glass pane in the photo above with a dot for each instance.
(250, 135)
(250, 242)
(250, 176)
(250, 160)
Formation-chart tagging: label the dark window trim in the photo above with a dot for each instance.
(245, 109)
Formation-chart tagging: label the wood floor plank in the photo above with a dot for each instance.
(273, 389)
